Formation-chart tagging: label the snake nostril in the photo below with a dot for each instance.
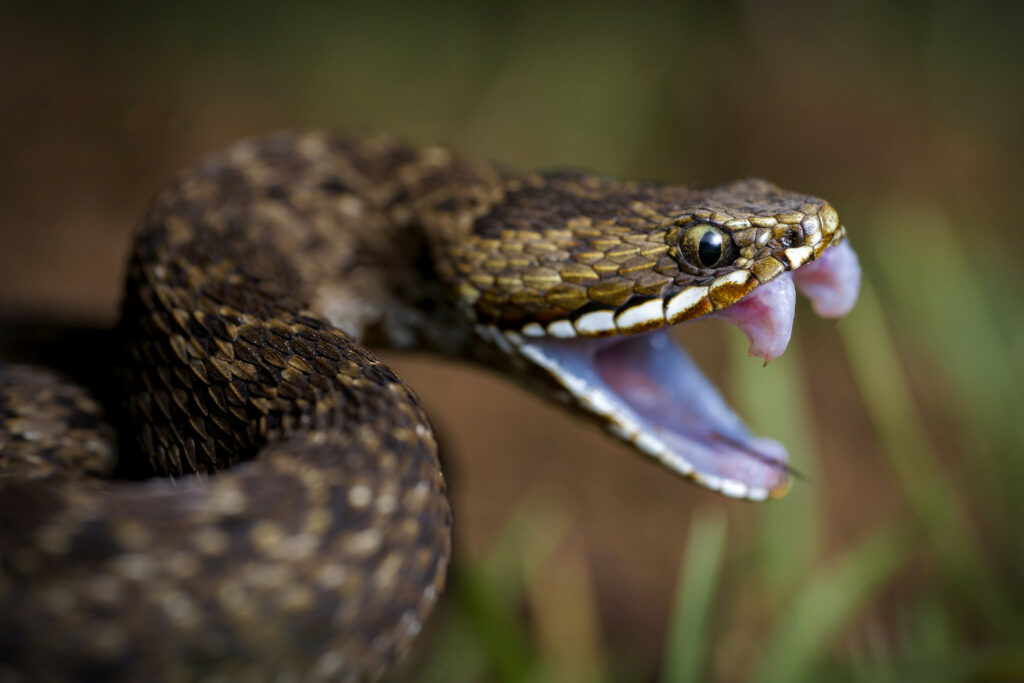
(793, 237)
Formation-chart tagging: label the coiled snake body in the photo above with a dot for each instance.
(321, 543)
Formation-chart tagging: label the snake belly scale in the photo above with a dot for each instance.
(300, 530)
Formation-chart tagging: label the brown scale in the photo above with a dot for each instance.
(304, 528)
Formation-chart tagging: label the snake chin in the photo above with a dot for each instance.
(648, 391)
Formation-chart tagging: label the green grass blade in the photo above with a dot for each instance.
(905, 442)
(687, 640)
(999, 663)
(801, 637)
(968, 331)
(499, 631)
(783, 553)
(490, 593)
(564, 614)
(451, 654)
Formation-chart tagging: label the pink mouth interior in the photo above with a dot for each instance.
(766, 314)
(655, 387)
(831, 282)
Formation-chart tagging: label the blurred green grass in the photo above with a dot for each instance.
(906, 115)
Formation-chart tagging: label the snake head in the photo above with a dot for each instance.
(581, 278)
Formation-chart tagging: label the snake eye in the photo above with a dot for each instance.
(705, 246)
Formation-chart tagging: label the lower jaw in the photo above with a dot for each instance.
(649, 392)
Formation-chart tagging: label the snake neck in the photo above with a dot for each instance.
(269, 265)
(351, 228)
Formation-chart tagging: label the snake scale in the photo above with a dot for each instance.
(301, 530)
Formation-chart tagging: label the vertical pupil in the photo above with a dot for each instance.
(709, 249)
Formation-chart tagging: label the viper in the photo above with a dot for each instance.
(285, 515)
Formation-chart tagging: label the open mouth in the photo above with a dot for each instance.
(648, 391)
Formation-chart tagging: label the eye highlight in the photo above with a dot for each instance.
(705, 246)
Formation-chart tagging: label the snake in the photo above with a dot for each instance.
(270, 504)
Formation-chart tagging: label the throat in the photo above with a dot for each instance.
(390, 297)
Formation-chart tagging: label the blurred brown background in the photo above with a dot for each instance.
(908, 117)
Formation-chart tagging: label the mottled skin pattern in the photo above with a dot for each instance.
(320, 544)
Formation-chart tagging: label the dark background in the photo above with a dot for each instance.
(900, 558)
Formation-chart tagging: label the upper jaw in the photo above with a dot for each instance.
(715, 295)
(646, 390)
